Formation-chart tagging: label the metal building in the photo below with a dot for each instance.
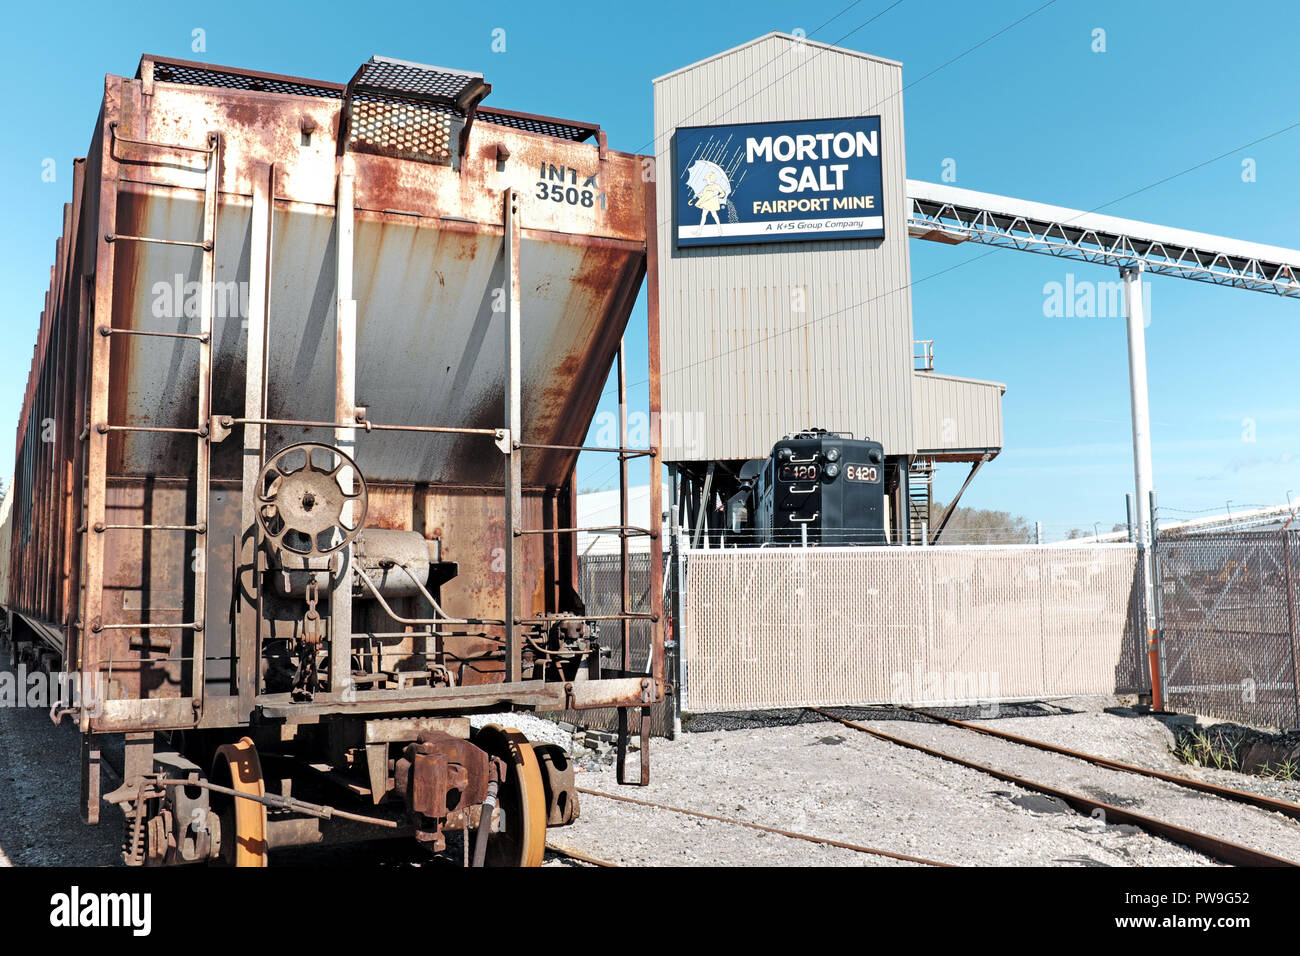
(778, 318)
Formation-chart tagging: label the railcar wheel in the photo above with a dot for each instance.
(243, 822)
(522, 799)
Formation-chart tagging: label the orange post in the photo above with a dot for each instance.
(1153, 663)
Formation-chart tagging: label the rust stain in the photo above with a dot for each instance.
(592, 286)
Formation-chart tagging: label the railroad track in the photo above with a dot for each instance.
(1222, 850)
(579, 855)
(792, 834)
(1285, 807)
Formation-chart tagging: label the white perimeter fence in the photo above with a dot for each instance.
(792, 627)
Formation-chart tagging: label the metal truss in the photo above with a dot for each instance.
(950, 215)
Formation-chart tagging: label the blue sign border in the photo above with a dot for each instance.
(721, 146)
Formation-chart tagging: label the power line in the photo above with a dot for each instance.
(912, 284)
(921, 79)
(947, 63)
(654, 140)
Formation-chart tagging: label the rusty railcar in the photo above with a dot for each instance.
(295, 472)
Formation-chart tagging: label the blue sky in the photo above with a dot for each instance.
(1033, 112)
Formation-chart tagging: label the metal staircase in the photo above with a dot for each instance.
(920, 498)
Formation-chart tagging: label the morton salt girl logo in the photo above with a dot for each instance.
(710, 186)
(779, 182)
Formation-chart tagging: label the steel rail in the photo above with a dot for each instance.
(579, 856)
(1286, 807)
(1225, 851)
(765, 829)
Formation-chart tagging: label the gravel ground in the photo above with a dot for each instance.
(40, 779)
(590, 750)
(1136, 739)
(791, 770)
(827, 780)
(536, 729)
(1250, 826)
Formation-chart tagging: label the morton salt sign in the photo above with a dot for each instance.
(779, 182)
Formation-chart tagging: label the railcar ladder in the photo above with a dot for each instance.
(99, 428)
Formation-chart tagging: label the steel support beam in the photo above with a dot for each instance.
(702, 517)
(624, 563)
(203, 450)
(92, 599)
(248, 547)
(952, 506)
(514, 428)
(345, 410)
(678, 596)
(1137, 376)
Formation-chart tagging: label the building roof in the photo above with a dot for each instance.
(600, 508)
(790, 38)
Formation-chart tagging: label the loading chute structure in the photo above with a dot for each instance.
(947, 214)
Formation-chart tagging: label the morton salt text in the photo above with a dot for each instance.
(811, 147)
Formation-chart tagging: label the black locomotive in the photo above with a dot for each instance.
(817, 487)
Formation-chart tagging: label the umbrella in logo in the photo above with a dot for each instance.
(711, 187)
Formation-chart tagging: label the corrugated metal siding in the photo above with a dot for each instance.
(739, 367)
(956, 413)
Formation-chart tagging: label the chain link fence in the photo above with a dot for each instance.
(1228, 625)
(770, 628)
(600, 584)
(792, 627)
